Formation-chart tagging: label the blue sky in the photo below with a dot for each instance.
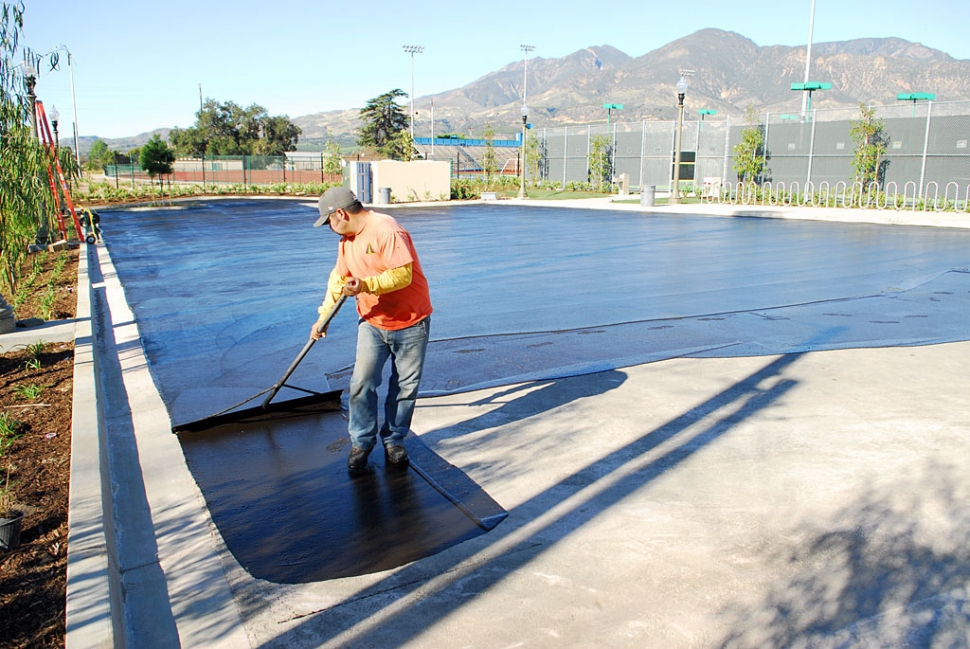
(139, 65)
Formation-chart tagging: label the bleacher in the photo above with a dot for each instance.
(468, 159)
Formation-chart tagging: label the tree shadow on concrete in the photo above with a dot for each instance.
(542, 522)
(891, 570)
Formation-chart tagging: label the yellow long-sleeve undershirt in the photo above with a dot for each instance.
(392, 279)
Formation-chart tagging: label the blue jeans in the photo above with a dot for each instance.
(406, 349)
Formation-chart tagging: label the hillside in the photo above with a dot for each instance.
(731, 73)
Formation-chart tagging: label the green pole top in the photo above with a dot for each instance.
(812, 85)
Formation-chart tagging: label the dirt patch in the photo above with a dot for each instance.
(36, 396)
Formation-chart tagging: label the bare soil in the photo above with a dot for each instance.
(36, 395)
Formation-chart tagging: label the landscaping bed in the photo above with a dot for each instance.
(36, 396)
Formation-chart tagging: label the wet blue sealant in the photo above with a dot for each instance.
(225, 292)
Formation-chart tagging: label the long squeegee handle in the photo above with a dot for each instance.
(306, 348)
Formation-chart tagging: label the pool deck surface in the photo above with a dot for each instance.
(804, 498)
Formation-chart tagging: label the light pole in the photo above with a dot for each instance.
(703, 112)
(30, 78)
(809, 87)
(682, 86)
(807, 97)
(525, 75)
(412, 50)
(609, 113)
(525, 120)
(55, 115)
(915, 97)
(70, 68)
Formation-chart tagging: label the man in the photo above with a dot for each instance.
(377, 263)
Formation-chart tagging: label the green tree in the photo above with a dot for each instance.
(25, 199)
(156, 158)
(489, 161)
(99, 156)
(229, 129)
(870, 141)
(599, 162)
(331, 158)
(383, 120)
(749, 154)
(278, 136)
(401, 147)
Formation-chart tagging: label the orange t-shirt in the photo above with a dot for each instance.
(382, 245)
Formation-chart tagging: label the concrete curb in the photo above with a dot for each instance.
(89, 610)
(143, 565)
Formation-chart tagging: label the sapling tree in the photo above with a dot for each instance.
(749, 153)
(599, 162)
(870, 141)
(489, 161)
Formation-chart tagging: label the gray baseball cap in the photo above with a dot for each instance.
(335, 198)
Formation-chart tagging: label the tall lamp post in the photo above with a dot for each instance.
(525, 78)
(682, 86)
(55, 116)
(412, 50)
(525, 120)
(70, 68)
(807, 96)
(609, 134)
(30, 78)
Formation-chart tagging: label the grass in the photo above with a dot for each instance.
(684, 200)
(557, 195)
(28, 392)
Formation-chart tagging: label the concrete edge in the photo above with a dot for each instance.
(875, 216)
(201, 601)
(103, 597)
(90, 622)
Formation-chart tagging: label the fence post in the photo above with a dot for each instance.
(727, 150)
(926, 144)
(565, 156)
(764, 148)
(643, 149)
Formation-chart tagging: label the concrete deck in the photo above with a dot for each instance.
(812, 498)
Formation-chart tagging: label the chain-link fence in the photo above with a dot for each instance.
(241, 170)
(926, 151)
(925, 143)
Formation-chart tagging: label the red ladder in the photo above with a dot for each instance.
(45, 137)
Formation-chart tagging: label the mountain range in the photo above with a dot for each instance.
(731, 73)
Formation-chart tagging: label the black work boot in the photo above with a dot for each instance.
(396, 454)
(358, 458)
